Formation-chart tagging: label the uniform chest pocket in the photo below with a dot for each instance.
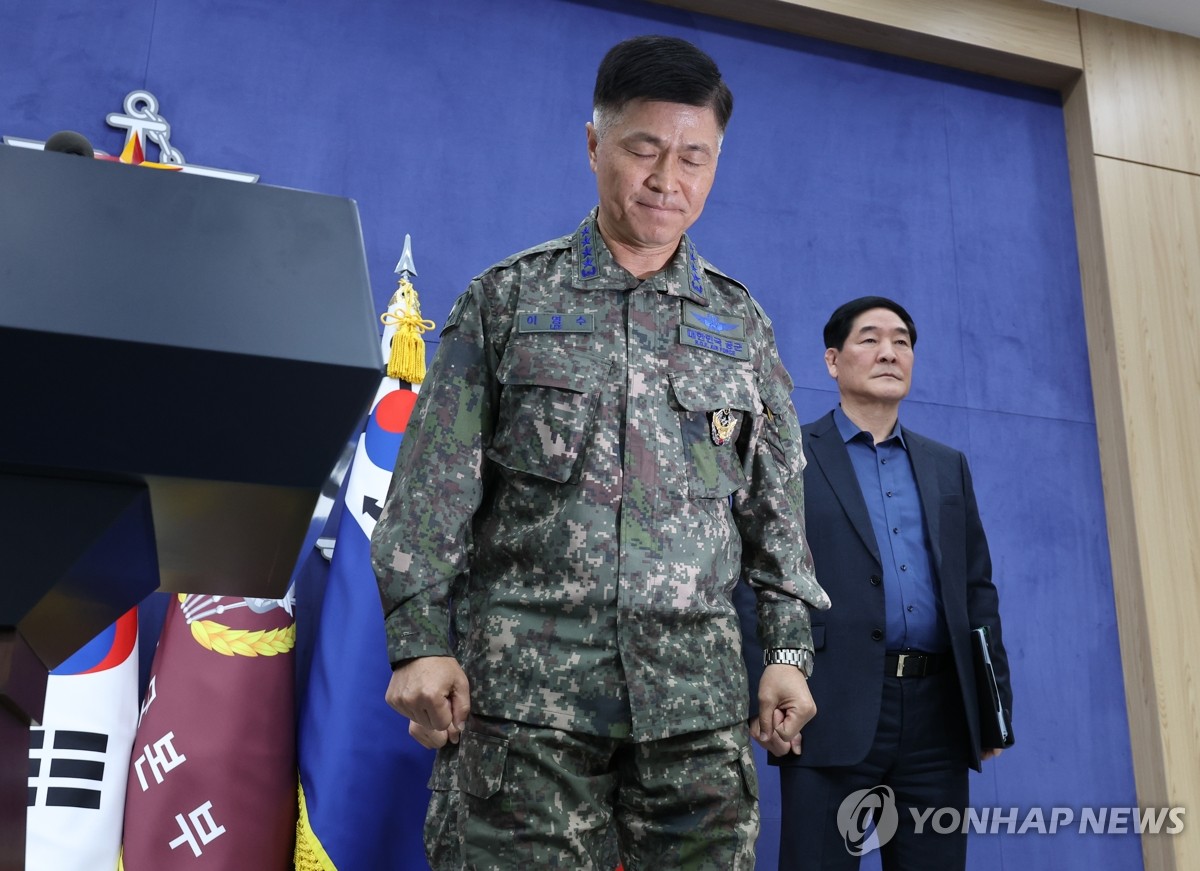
(716, 407)
(547, 410)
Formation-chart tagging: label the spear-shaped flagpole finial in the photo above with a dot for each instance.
(405, 268)
(406, 357)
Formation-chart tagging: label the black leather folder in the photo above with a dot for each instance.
(995, 722)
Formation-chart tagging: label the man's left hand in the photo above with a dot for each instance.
(784, 707)
(771, 742)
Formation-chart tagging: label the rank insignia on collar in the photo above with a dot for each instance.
(587, 254)
(694, 269)
(723, 424)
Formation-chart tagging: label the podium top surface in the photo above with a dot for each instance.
(155, 322)
(96, 248)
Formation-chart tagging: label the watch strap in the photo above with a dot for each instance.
(797, 656)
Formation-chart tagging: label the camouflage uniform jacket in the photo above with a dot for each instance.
(604, 457)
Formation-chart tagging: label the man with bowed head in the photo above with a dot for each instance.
(604, 444)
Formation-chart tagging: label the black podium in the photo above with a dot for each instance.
(182, 360)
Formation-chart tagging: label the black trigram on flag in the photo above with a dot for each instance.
(66, 768)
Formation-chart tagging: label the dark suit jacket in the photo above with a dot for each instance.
(849, 638)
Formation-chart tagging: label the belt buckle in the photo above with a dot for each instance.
(919, 661)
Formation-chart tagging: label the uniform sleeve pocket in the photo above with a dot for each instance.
(481, 764)
(547, 411)
(782, 433)
(715, 407)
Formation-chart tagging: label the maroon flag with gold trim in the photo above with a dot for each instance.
(212, 776)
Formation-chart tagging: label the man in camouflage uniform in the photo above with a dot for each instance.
(604, 444)
(443, 846)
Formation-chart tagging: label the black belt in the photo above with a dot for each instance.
(914, 664)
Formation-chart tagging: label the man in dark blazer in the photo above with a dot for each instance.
(898, 544)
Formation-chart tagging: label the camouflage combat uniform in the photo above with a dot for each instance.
(604, 456)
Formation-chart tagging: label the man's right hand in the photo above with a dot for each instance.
(431, 739)
(432, 691)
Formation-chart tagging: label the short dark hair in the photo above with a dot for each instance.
(661, 68)
(837, 330)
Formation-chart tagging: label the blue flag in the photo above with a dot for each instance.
(362, 778)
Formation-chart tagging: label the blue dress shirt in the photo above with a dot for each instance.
(885, 475)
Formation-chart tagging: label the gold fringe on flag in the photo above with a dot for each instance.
(310, 853)
(407, 359)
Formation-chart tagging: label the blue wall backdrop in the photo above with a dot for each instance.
(844, 172)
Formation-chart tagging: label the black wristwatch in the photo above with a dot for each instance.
(802, 659)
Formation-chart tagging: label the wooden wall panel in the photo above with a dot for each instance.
(1145, 92)
(1138, 662)
(1151, 219)
(1022, 40)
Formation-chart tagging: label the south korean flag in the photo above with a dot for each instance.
(79, 756)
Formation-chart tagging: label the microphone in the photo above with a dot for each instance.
(70, 142)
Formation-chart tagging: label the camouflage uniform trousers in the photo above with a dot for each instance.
(535, 797)
(443, 847)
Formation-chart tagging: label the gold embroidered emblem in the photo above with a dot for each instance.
(231, 641)
(723, 424)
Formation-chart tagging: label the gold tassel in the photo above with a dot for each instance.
(309, 853)
(406, 361)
